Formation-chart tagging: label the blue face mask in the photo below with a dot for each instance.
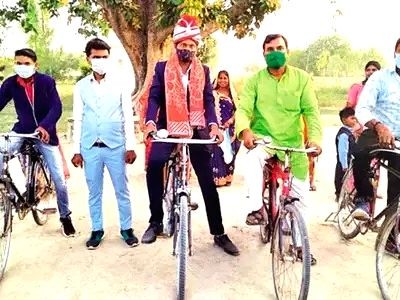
(185, 55)
(397, 58)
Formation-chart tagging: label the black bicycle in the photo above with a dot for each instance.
(25, 185)
(387, 243)
(177, 204)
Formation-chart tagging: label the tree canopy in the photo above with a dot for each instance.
(143, 26)
(333, 56)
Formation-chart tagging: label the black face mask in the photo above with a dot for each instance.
(185, 55)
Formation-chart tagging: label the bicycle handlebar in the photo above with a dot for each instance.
(34, 135)
(267, 142)
(161, 136)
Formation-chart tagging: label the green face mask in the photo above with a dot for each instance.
(275, 59)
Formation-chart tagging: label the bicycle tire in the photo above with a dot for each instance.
(182, 252)
(388, 252)
(349, 227)
(6, 225)
(287, 257)
(43, 191)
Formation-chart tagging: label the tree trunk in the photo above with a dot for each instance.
(144, 46)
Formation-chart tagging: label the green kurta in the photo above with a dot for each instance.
(271, 107)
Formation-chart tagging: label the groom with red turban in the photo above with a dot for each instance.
(182, 102)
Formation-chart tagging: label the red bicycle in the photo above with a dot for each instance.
(284, 226)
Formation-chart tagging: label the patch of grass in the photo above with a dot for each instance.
(8, 115)
(332, 91)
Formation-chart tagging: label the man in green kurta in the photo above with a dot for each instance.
(275, 102)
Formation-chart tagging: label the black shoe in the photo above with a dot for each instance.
(67, 229)
(150, 235)
(129, 237)
(95, 239)
(225, 243)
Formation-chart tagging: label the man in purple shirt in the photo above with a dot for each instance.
(181, 100)
(38, 107)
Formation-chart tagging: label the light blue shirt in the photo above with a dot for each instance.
(380, 100)
(343, 148)
(102, 112)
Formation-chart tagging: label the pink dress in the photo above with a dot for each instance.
(353, 94)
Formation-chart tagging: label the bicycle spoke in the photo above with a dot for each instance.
(291, 274)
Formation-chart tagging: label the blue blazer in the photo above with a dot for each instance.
(156, 102)
(46, 110)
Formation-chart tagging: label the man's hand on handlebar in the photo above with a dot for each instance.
(248, 139)
(318, 149)
(385, 136)
(150, 127)
(43, 134)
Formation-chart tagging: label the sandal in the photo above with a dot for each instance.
(255, 218)
(300, 257)
(313, 188)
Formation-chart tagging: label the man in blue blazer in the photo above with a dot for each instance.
(38, 107)
(181, 101)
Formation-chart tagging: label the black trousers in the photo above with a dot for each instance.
(339, 173)
(200, 158)
(361, 167)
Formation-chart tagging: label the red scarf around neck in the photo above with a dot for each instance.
(180, 117)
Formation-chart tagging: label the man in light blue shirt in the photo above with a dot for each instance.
(379, 110)
(104, 137)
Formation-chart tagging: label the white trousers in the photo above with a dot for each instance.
(255, 161)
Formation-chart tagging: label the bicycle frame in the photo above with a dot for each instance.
(285, 226)
(277, 172)
(181, 203)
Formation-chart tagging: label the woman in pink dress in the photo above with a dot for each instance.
(355, 89)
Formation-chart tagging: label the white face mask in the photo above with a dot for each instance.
(397, 58)
(24, 71)
(100, 65)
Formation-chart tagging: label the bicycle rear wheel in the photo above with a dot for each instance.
(291, 258)
(182, 249)
(348, 226)
(388, 258)
(43, 191)
(5, 230)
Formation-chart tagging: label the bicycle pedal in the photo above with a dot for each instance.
(49, 211)
(193, 206)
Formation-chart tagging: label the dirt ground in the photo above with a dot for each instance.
(45, 265)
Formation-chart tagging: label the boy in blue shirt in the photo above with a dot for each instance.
(345, 142)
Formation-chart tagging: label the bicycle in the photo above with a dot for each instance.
(387, 244)
(348, 226)
(284, 226)
(26, 186)
(177, 203)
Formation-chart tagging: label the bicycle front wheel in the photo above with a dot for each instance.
(291, 258)
(348, 226)
(43, 191)
(388, 258)
(5, 230)
(182, 249)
